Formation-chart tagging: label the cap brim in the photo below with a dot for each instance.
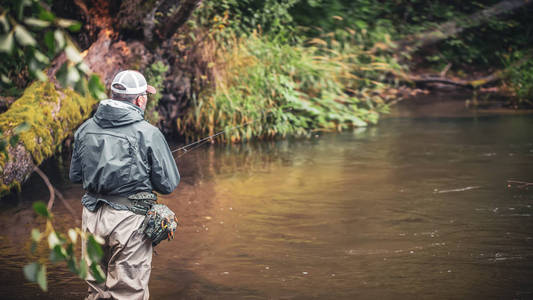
(150, 89)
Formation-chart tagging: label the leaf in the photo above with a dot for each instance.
(73, 54)
(23, 36)
(40, 75)
(49, 41)
(96, 88)
(58, 254)
(46, 15)
(70, 24)
(41, 278)
(73, 75)
(41, 57)
(5, 79)
(83, 270)
(61, 75)
(40, 208)
(53, 240)
(36, 70)
(30, 271)
(83, 68)
(4, 22)
(59, 38)
(75, 27)
(6, 42)
(79, 87)
(70, 249)
(73, 235)
(94, 250)
(72, 266)
(36, 22)
(35, 235)
(97, 273)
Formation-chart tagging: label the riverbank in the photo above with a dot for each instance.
(453, 103)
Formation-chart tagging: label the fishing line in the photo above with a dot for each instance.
(200, 142)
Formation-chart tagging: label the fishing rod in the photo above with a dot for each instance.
(200, 142)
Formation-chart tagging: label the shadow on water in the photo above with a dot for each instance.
(414, 207)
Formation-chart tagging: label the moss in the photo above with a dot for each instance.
(51, 115)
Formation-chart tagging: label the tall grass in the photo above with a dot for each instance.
(283, 89)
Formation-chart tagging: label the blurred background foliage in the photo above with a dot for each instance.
(291, 66)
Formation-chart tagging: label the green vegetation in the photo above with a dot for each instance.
(284, 90)
(520, 77)
(62, 248)
(155, 75)
(482, 48)
(32, 36)
(282, 82)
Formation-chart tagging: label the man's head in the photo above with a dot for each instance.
(131, 86)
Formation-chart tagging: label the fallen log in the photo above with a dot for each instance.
(465, 83)
(52, 113)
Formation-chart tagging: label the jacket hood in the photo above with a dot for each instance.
(113, 113)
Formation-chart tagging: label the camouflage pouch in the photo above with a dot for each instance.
(160, 223)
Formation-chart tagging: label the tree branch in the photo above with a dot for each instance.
(51, 189)
(451, 28)
(179, 17)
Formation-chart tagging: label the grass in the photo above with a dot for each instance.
(285, 89)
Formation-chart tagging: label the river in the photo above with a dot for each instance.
(416, 207)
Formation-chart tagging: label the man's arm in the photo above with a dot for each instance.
(164, 175)
(75, 173)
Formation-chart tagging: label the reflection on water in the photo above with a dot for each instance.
(411, 208)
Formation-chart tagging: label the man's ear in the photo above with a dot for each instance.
(140, 101)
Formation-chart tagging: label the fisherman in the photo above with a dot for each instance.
(121, 159)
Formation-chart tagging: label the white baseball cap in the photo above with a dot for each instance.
(131, 82)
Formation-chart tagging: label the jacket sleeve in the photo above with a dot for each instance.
(164, 173)
(75, 173)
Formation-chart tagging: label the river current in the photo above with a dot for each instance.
(415, 207)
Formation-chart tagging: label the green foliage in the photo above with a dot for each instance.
(244, 16)
(520, 76)
(62, 250)
(481, 46)
(31, 36)
(155, 75)
(40, 208)
(285, 90)
(36, 272)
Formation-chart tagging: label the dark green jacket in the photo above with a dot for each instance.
(117, 152)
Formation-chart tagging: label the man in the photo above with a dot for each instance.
(117, 156)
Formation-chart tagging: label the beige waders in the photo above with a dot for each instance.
(127, 254)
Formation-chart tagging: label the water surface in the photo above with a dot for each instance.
(414, 207)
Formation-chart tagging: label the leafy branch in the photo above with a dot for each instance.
(62, 248)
